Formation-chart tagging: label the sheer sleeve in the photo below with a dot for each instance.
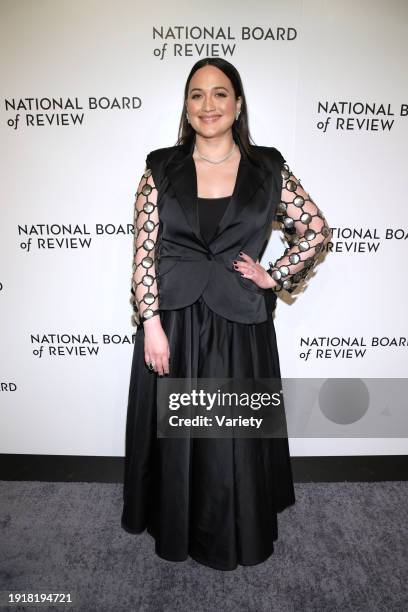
(146, 222)
(305, 230)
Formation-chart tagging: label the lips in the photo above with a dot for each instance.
(210, 119)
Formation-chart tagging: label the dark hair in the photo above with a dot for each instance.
(240, 129)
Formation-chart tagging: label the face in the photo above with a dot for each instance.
(211, 103)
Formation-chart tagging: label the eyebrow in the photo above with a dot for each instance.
(216, 87)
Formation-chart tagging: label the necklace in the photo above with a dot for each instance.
(219, 161)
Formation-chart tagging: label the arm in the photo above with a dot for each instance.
(306, 232)
(146, 222)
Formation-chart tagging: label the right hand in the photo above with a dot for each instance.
(156, 345)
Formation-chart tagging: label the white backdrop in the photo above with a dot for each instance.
(66, 332)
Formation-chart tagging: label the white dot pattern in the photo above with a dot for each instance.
(146, 222)
(305, 231)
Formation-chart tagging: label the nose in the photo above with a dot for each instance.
(208, 103)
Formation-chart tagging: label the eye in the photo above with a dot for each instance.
(220, 93)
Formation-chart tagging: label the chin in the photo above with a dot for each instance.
(212, 130)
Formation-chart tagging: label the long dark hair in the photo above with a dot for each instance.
(240, 128)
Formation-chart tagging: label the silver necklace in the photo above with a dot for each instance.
(219, 161)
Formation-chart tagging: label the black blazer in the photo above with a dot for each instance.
(186, 266)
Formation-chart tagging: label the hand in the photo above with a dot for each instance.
(156, 346)
(254, 271)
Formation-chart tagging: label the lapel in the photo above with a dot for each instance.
(181, 172)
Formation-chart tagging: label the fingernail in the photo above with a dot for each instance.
(241, 253)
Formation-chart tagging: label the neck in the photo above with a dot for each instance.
(216, 147)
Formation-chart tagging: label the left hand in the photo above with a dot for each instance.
(254, 271)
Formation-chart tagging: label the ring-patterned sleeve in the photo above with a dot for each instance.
(146, 223)
(305, 232)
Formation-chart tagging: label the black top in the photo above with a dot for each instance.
(210, 213)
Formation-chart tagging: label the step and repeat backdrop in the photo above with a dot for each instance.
(88, 88)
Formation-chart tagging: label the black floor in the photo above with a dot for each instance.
(342, 546)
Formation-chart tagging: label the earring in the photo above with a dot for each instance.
(188, 118)
(237, 115)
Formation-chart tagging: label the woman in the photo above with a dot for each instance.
(204, 308)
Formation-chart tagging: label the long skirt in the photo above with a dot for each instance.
(213, 499)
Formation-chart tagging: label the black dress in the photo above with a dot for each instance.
(213, 499)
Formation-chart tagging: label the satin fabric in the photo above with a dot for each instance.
(213, 499)
(210, 212)
(188, 266)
